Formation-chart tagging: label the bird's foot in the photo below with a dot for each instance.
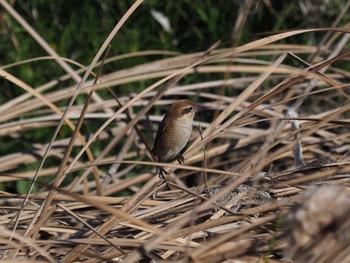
(161, 172)
(181, 159)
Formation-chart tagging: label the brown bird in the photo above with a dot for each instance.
(173, 133)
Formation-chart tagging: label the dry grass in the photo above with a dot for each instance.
(243, 162)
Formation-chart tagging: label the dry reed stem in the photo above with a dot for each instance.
(249, 159)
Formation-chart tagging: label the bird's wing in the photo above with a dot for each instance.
(161, 129)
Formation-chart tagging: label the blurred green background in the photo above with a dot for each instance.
(76, 29)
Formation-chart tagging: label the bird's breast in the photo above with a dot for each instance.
(182, 134)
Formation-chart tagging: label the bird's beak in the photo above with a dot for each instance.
(202, 108)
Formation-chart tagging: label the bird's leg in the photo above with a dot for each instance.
(161, 173)
(160, 169)
(180, 158)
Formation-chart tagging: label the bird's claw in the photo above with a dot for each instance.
(181, 159)
(161, 172)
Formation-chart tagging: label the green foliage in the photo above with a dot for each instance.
(77, 29)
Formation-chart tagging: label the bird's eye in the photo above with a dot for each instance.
(187, 110)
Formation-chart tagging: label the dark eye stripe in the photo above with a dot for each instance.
(187, 110)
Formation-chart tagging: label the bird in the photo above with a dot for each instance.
(173, 133)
